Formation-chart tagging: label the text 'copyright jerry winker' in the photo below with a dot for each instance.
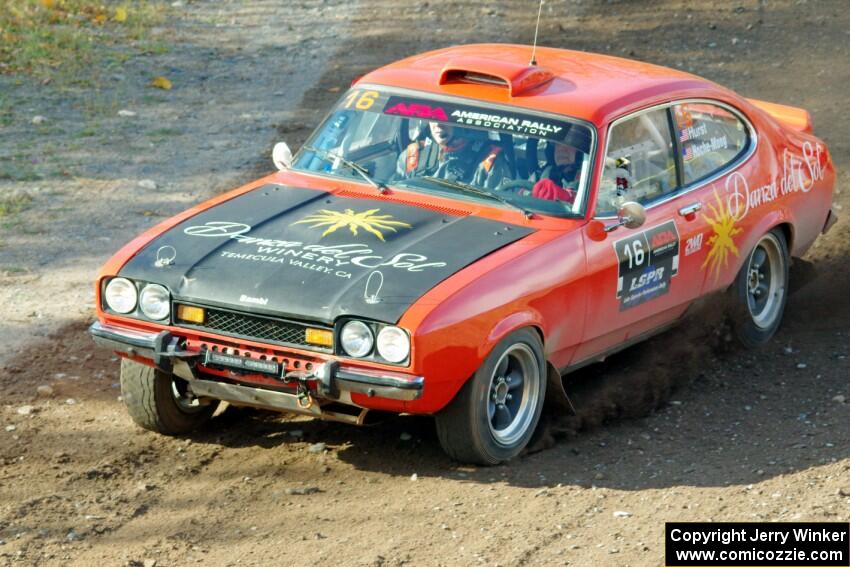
(757, 544)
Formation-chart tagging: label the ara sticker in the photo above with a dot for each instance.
(647, 262)
(488, 118)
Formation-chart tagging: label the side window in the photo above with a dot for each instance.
(640, 164)
(710, 137)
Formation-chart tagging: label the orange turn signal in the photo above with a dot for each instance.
(191, 314)
(320, 337)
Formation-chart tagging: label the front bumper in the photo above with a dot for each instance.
(332, 380)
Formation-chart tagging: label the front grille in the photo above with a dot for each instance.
(263, 329)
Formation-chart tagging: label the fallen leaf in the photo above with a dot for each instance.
(48, 4)
(161, 83)
(100, 18)
(120, 14)
(334, 89)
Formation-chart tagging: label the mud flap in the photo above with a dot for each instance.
(831, 219)
(556, 405)
(557, 402)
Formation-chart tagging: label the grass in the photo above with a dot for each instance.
(12, 204)
(164, 132)
(5, 113)
(89, 131)
(70, 39)
(13, 271)
(16, 172)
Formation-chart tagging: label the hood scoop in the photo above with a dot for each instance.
(515, 78)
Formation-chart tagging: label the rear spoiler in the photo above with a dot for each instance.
(795, 118)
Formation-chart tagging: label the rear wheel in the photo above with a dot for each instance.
(494, 415)
(161, 402)
(761, 290)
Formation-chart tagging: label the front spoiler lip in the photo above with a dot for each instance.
(159, 348)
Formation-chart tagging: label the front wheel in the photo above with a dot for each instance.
(494, 415)
(761, 290)
(161, 402)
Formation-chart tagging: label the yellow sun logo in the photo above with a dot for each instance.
(367, 220)
(722, 242)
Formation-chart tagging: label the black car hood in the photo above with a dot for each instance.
(310, 255)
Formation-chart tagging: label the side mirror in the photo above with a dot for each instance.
(630, 215)
(282, 156)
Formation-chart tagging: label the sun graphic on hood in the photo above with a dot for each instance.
(722, 242)
(367, 220)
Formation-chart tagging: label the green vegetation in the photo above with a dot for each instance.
(65, 39)
(164, 132)
(15, 203)
(13, 270)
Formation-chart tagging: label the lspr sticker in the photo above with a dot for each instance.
(647, 261)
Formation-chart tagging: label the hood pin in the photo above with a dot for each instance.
(372, 298)
(165, 256)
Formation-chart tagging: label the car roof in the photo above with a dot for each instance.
(588, 86)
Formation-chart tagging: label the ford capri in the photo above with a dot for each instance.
(465, 228)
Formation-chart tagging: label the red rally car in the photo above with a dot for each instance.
(463, 229)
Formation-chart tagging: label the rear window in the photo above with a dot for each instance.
(710, 138)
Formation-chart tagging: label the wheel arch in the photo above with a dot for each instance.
(512, 323)
(778, 219)
(555, 396)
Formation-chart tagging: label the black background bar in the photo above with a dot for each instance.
(757, 544)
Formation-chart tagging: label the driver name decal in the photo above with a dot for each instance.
(647, 262)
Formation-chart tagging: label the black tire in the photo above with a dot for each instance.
(151, 397)
(469, 428)
(761, 290)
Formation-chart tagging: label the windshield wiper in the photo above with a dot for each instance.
(352, 165)
(466, 188)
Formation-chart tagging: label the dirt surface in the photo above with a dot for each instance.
(685, 427)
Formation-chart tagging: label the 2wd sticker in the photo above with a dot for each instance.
(648, 260)
(694, 244)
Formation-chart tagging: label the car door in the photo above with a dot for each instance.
(642, 278)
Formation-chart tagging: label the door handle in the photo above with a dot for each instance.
(690, 209)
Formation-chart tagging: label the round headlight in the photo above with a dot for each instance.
(121, 295)
(155, 302)
(357, 339)
(393, 344)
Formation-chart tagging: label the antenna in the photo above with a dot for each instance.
(536, 28)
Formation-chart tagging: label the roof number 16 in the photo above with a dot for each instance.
(361, 101)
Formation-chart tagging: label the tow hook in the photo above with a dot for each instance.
(305, 398)
(322, 375)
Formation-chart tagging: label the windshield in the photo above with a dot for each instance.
(463, 150)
